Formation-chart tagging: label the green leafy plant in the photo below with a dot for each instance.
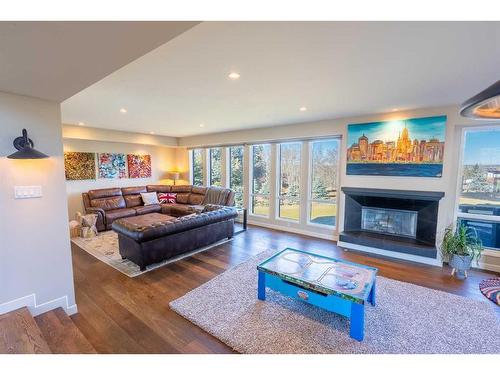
(462, 241)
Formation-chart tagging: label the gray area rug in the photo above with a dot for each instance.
(105, 248)
(407, 319)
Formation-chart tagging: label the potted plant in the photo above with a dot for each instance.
(460, 247)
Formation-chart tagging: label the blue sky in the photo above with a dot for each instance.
(420, 128)
(482, 147)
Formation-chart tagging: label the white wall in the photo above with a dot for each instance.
(338, 127)
(35, 255)
(163, 159)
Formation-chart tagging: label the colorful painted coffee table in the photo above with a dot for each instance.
(335, 285)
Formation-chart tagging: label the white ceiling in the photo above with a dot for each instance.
(55, 60)
(335, 69)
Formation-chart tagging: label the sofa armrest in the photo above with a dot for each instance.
(212, 207)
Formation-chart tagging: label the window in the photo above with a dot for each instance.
(289, 181)
(479, 201)
(261, 176)
(197, 167)
(215, 167)
(323, 182)
(236, 173)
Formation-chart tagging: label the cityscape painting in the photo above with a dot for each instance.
(408, 148)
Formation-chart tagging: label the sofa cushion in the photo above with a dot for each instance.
(134, 190)
(133, 200)
(159, 188)
(199, 190)
(196, 199)
(142, 210)
(104, 193)
(182, 188)
(110, 203)
(118, 214)
(182, 198)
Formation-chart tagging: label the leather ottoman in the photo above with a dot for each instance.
(155, 237)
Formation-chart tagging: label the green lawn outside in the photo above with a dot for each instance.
(292, 211)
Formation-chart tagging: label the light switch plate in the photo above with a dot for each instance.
(25, 192)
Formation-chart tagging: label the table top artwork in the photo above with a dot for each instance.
(322, 274)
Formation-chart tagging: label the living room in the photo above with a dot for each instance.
(208, 187)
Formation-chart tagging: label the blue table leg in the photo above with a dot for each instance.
(261, 289)
(357, 321)
(371, 297)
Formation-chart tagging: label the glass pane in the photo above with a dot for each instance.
(197, 167)
(290, 169)
(481, 173)
(323, 213)
(289, 209)
(260, 205)
(238, 199)
(488, 232)
(216, 166)
(236, 173)
(261, 168)
(324, 168)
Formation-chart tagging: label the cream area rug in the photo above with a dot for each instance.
(407, 319)
(105, 248)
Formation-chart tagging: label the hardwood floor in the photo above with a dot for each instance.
(118, 314)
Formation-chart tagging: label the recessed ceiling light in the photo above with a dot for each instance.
(234, 75)
(123, 110)
(202, 125)
(81, 123)
(152, 133)
(302, 109)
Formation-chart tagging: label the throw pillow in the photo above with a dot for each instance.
(167, 198)
(149, 198)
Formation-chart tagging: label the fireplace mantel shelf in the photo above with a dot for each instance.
(387, 193)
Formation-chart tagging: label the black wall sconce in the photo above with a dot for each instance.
(24, 145)
(485, 105)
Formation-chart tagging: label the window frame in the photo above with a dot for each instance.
(309, 199)
(489, 251)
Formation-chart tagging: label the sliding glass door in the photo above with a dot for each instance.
(236, 178)
(261, 178)
(197, 166)
(323, 172)
(215, 168)
(289, 181)
(479, 200)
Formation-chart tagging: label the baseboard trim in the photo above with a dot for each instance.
(390, 254)
(30, 301)
(304, 232)
(489, 266)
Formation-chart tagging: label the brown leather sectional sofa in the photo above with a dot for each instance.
(116, 203)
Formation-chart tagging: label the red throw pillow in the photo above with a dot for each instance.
(167, 197)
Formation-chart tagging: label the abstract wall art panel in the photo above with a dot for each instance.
(405, 148)
(112, 166)
(79, 165)
(139, 166)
